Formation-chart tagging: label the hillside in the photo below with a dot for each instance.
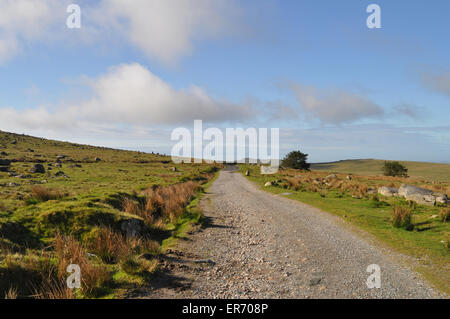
(419, 170)
(62, 202)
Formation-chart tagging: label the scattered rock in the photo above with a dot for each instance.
(247, 173)
(58, 165)
(388, 191)
(348, 177)
(60, 173)
(37, 168)
(97, 159)
(5, 162)
(422, 195)
(331, 176)
(371, 191)
(173, 169)
(3, 153)
(132, 227)
(408, 190)
(4, 168)
(442, 198)
(428, 200)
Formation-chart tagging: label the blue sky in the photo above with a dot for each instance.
(137, 69)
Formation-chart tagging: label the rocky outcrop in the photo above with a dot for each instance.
(388, 191)
(408, 190)
(416, 194)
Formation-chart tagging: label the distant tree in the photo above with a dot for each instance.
(296, 160)
(395, 169)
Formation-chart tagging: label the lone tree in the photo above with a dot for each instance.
(296, 160)
(394, 169)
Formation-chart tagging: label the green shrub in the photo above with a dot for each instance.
(394, 169)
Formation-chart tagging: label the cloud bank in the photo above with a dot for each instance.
(129, 94)
(164, 30)
(333, 106)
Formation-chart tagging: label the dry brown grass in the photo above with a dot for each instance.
(11, 294)
(53, 289)
(70, 251)
(445, 214)
(162, 202)
(44, 194)
(110, 246)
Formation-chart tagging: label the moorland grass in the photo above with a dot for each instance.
(74, 212)
(351, 200)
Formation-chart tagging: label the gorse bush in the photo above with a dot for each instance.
(402, 218)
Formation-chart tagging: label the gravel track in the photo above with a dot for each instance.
(259, 245)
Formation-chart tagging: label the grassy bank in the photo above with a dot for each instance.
(418, 170)
(110, 211)
(353, 200)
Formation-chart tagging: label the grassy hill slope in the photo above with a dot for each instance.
(420, 170)
(82, 209)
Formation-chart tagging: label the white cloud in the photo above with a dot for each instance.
(22, 21)
(335, 106)
(165, 30)
(129, 94)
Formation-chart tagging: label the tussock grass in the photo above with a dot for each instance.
(11, 294)
(444, 214)
(44, 194)
(402, 218)
(70, 251)
(162, 202)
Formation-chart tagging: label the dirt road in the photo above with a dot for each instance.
(258, 245)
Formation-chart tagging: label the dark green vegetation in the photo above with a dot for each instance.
(394, 169)
(419, 231)
(295, 160)
(417, 170)
(112, 212)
